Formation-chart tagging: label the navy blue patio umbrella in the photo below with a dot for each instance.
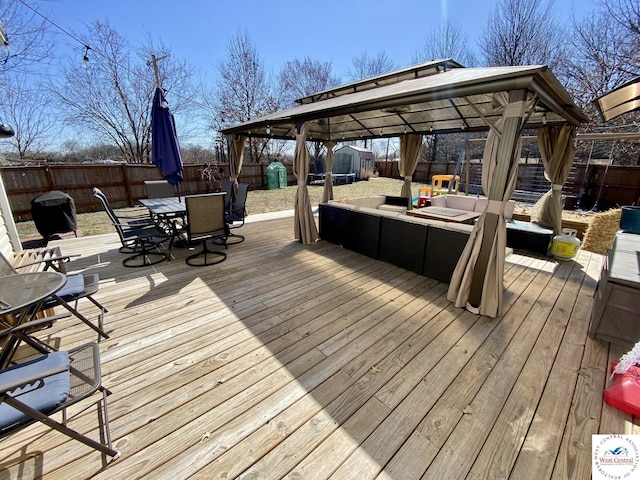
(165, 148)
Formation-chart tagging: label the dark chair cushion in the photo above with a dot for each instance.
(46, 399)
(73, 287)
(399, 201)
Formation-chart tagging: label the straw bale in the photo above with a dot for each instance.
(602, 230)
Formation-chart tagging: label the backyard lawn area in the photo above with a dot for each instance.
(266, 201)
(258, 201)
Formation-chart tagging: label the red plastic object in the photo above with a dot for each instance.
(624, 391)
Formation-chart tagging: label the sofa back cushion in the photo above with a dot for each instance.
(458, 202)
(481, 205)
(461, 202)
(374, 201)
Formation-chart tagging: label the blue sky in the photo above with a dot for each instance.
(331, 30)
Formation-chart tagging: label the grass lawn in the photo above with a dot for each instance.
(258, 201)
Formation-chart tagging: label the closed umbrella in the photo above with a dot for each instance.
(165, 149)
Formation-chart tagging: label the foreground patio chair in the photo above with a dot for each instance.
(32, 391)
(206, 221)
(143, 240)
(77, 287)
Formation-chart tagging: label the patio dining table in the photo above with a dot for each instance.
(21, 298)
(165, 207)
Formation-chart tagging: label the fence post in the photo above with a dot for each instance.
(47, 169)
(127, 186)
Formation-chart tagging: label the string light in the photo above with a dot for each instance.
(3, 38)
(85, 58)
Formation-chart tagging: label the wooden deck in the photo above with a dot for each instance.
(316, 362)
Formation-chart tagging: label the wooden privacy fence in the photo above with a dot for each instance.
(123, 184)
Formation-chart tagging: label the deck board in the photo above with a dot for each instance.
(292, 361)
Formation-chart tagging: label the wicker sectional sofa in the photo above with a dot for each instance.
(369, 226)
(521, 235)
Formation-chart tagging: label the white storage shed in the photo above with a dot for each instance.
(352, 159)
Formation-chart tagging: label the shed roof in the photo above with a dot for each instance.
(435, 97)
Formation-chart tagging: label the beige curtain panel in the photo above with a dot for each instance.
(304, 224)
(236, 157)
(327, 193)
(557, 149)
(410, 149)
(477, 283)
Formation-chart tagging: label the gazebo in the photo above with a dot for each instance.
(438, 97)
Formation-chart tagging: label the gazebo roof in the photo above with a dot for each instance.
(623, 99)
(434, 97)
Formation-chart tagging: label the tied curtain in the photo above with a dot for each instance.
(304, 225)
(557, 149)
(477, 283)
(327, 193)
(236, 156)
(410, 148)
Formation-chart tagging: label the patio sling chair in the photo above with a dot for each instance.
(236, 213)
(34, 390)
(206, 221)
(141, 239)
(159, 189)
(227, 187)
(76, 287)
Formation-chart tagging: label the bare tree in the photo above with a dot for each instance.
(112, 97)
(28, 35)
(300, 78)
(366, 67)
(602, 57)
(522, 32)
(27, 109)
(593, 66)
(243, 92)
(626, 15)
(446, 41)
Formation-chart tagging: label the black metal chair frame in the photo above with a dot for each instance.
(236, 213)
(143, 240)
